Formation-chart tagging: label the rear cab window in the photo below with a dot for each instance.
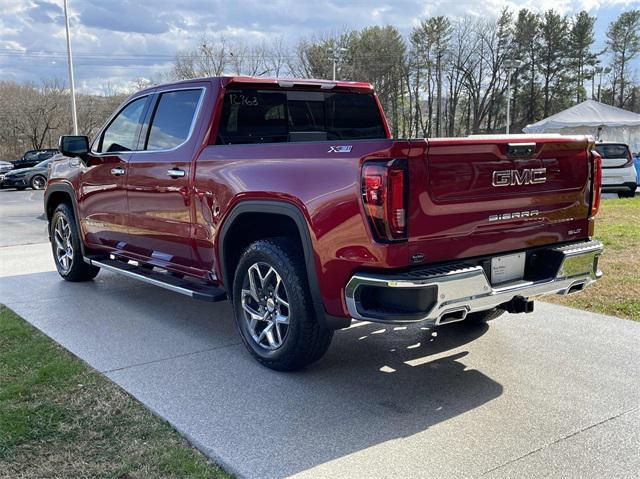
(278, 116)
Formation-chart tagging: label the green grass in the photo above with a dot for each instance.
(60, 418)
(618, 292)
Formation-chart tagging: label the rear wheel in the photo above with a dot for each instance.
(627, 194)
(273, 308)
(38, 182)
(482, 317)
(65, 244)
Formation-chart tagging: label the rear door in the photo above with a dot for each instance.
(158, 181)
(477, 196)
(255, 150)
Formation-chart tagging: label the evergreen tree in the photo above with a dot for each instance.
(582, 59)
(527, 41)
(378, 55)
(433, 36)
(623, 41)
(553, 53)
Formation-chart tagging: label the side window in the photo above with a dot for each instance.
(172, 119)
(122, 133)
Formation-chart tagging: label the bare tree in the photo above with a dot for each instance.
(276, 56)
(34, 116)
(210, 58)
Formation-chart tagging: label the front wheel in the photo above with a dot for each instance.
(65, 244)
(273, 308)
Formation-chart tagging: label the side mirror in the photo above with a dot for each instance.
(72, 145)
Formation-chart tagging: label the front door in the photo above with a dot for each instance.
(159, 178)
(103, 200)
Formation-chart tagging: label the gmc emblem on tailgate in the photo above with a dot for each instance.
(529, 176)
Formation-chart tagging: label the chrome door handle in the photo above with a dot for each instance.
(176, 173)
(117, 171)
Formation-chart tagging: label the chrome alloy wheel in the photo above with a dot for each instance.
(64, 246)
(265, 306)
(39, 182)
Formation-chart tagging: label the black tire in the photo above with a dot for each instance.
(627, 194)
(481, 317)
(76, 269)
(304, 340)
(38, 182)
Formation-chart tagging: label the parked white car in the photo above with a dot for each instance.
(618, 172)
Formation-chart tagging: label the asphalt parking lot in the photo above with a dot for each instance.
(552, 394)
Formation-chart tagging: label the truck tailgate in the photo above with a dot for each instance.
(492, 194)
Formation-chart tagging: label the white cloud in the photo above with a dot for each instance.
(121, 40)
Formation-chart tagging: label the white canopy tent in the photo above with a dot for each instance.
(603, 122)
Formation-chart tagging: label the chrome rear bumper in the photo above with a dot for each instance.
(460, 289)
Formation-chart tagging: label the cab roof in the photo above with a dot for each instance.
(284, 82)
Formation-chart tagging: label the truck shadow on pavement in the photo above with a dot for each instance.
(375, 385)
(183, 359)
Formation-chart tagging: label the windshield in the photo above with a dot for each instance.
(42, 164)
(612, 151)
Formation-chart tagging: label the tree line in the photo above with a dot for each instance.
(448, 77)
(33, 116)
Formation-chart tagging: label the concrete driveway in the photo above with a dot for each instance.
(551, 394)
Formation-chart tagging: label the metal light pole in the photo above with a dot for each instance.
(511, 65)
(334, 52)
(601, 70)
(74, 115)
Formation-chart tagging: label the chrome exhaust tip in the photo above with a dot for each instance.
(452, 316)
(576, 287)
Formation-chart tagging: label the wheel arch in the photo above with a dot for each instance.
(290, 219)
(56, 194)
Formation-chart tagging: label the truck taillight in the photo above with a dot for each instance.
(384, 192)
(596, 185)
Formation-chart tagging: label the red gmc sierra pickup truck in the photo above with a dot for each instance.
(291, 199)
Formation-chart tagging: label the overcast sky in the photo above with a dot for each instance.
(116, 41)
